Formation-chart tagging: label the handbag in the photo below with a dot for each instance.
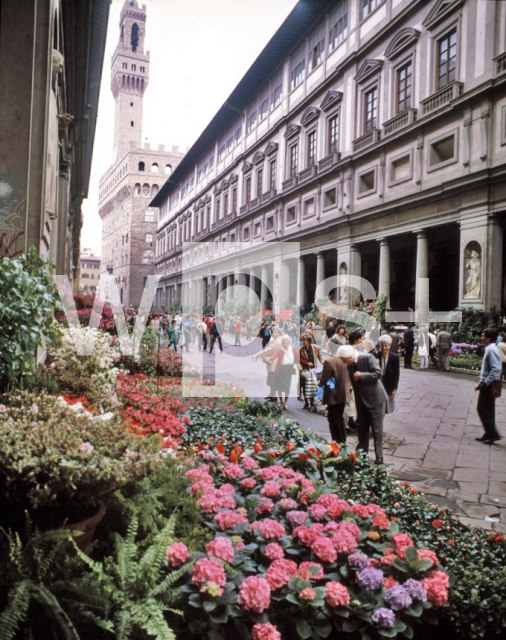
(495, 389)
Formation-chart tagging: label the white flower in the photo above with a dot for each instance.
(34, 408)
(3, 408)
(87, 447)
(5, 189)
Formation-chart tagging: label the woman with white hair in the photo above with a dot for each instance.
(284, 360)
(271, 348)
(390, 370)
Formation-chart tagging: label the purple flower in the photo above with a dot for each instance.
(416, 590)
(358, 560)
(287, 503)
(296, 518)
(384, 618)
(398, 598)
(370, 579)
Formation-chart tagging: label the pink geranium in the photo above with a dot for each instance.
(177, 554)
(221, 548)
(265, 631)
(254, 594)
(337, 595)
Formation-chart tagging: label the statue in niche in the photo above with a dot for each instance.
(343, 284)
(473, 281)
(276, 290)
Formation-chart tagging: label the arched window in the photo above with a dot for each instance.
(128, 82)
(146, 189)
(135, 36)
(168, 169)
(154, 190)
(154, 167)
(141, 166)
(148, 257)
(149, 238)
(123, 81)
(121, 295)
(137, 189)
(137, 84)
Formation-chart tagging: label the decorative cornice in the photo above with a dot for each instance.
(441, 10)
(292, 130)
(331, 99)
(217, 190)
(309, 115)
(224, 185)
(247, 166)
(370, 67)
(258, 157)
(233, 178)
(401, 41)
(271, 148)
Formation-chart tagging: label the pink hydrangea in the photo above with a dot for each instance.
(360, 510)
(317, 511)
(249, 463)
(350, 528)
(271, 529)
(327, 499)
(296, 518)
(400, 542)
(265, 507)
(374, 509)
(248, 483)
(265, 631)
(390, 582)
(436, 584)
(270, 473)
(221, 548)
(337, 508)
(208, 572)
(304, 574)
(200, 487)
(287, 503)
(344, 542)
(226, 489)
(307, 535)
(336, 594)
(201, 473)
(331, 527)
(427, 553)
(233, 471)
(324, 549)
(254, 594)
(307, 485)
(229, 519)
(274, 551)
(271, 489)
(382, 522)
(307, 594)
(177, 554)
(280, 572)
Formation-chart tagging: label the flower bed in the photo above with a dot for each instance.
(297, 559)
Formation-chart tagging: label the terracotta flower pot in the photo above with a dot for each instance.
(87, 527)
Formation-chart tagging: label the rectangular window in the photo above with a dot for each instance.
(217, 209)
(221, 152)
(134, 67)
(447, 59)
(263, 110)
(404, 87)
(311, 149)
(338, 25)
(298, 68)
(252, 118)
(371, 109)
(230, 143)
(260, 179)
(238, 135)
(368, 7)
(247, 190)
(276, 96)
(272, 176)
(316, 50)
(225, 204)
(294, 159)
(290, 215)
(334, 133)
(234, 200)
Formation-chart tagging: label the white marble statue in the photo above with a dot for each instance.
(343, 285)
(473, 282)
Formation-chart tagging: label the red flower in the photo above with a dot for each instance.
(220, 448)
(257, 448)
(437, 523)
(335, 448)
(290, 446)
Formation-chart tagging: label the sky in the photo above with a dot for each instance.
(199, 50)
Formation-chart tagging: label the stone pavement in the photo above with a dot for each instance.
(430, 441)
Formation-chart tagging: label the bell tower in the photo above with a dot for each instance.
(129, 77)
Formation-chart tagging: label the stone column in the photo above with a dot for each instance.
(211, 280)
(422, 261)
(301, 283)
(384, 268)
(355, 270)
(263, 293)
(252, 292)
(228, 292)
(285, 285)
(320, 268)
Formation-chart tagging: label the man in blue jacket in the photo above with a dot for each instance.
(491, 368)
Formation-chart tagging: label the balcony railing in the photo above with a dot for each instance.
(328, 161)
(307, 173)
(500, 64)
(268, 195)
(408, 116)
(371, 137)
(442, 97)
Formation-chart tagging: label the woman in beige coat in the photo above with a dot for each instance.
(271, 348)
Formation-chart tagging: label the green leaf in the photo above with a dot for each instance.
(411, 555)
(303, 629)
(408, 632)
(400, 565)
(349, 626)
(421, 565)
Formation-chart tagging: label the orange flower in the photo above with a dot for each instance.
(437, 523)
(220, 448)
(272, 453)
(336, 450)
(303, 456)
(353, 458)
(290, 446)
(257, 448)
(233, 456)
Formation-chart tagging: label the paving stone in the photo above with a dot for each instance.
(440, 501)
(428, 488)
(473, 510)
(473, 487)
(491, 499)
(464, 474)
(405, 451)
(497, 488)
(500, 527)
(467, 496)
(477, 523)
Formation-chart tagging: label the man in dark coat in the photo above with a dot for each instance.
(335, 370)
(370, 398)
(409, 346)
(390, 370)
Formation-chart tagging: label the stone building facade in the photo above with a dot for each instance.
(90, 270)
(51, 59)
(373, 133)
(128, 186)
